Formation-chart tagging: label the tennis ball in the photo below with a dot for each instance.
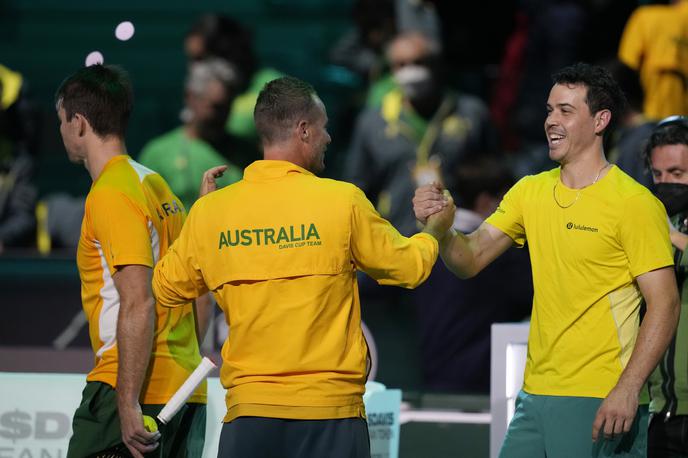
(150, 424)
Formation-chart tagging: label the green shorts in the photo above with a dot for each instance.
(561, 427)
(96, 427)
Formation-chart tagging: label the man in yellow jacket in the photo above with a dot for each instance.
(280, 250)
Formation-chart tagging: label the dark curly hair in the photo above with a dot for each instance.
(603, 92)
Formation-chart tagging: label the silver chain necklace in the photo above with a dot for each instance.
(554, 189)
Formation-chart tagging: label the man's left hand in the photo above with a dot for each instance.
(616, 414)
(208, 184)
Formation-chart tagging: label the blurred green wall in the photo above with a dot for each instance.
(48, 39)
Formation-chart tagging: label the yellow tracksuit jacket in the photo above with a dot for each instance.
(279, 250)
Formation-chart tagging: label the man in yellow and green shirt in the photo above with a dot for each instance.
(143, 352)
(280, 250)
(599, 246)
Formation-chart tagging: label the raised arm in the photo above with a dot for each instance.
(177, 277)
(465, 255)
(379, 250)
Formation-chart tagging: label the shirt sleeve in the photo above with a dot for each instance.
(644, 234)
(379, 250)
(508, 217)
(120, 227)
(177, 278)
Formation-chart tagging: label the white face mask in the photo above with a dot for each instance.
(413, 79)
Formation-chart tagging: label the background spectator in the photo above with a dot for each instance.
(216, 35)
(422, 131)
(183, 154)
(655, 43)
(18, 135)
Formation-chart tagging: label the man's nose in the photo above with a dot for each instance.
(551, 120)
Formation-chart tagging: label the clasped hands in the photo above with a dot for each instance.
(434, 208)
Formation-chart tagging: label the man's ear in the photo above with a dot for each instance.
(303, 130)
(602, 120)
(82, 124)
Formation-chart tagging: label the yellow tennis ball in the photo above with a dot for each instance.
(150, 424)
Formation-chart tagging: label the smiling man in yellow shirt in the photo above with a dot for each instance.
(599, 247)
(280, 250)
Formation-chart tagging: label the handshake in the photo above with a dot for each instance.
(434, 209)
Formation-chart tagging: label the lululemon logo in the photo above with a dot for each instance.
(581, 227)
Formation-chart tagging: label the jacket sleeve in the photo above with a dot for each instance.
(177, 278)
(379, 250)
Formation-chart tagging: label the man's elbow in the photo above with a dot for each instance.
(159, 290)
(136, 309)
(162, 298)
(418, 279)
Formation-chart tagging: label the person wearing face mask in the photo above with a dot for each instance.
(666, 153)
(183, 154)
(422, 131)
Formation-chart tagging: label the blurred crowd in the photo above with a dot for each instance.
(414, 117)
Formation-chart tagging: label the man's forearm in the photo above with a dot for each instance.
(457, 254)
(135, 326)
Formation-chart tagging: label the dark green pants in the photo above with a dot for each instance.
(561, 427)
(96, 427)
(258, 437)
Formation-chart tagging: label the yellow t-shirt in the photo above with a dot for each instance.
(131, 218)
(655, 43)
(280, 250)
(585, 259)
